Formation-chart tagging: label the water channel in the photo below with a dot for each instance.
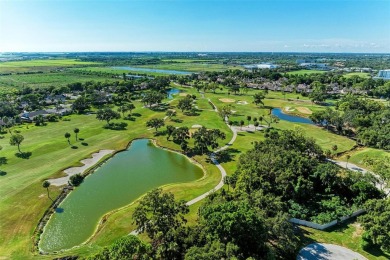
(295, 119)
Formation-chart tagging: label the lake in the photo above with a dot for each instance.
(122, 179)
(295, 119)
(178, 72)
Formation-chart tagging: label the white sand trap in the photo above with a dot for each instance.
(96, 157)
(227, 100)
(288, 109)
(304, 110)
(242, 102)
(196, 126)
(233, 111)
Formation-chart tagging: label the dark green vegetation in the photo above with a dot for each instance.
(311, 188)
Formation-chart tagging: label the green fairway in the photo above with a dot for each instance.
(302, 72)
(191, 67)
(364, 75)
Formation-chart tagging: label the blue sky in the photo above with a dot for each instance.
(186, 25)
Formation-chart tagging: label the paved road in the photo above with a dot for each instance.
(320, 251)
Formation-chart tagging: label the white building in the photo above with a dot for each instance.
(262, 66)
(383, 74)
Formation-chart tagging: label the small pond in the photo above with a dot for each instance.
(171, 92)
(295, 119)
(178, 72)
(118, 182)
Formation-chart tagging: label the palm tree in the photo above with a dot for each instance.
(67, 136)
(76, 131)
(46, 185)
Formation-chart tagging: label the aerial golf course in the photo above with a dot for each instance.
(154, 159)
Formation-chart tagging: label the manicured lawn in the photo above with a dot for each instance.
(347, 235)
(364, 75)
(302, 72)
(358, 155)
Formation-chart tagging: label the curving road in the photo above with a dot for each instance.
(320, 251)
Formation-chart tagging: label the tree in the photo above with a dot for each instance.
(39, 120)
(205, 138)
(376, 223)
(180, 136)
(334, 148)
(185, 104)
(80, 105)
(258, 98)
(46, 185)
(249, 118)
(225, 112)
(155, 123)
(67, 136)
(256, 125)
(242, 124)
(319, 92)
(76, 131)
(170, 113)
(170, 130)
(161, 217)
(107, 115)
(381, 171)
(16, 139)
(76, 180)
(152, 97)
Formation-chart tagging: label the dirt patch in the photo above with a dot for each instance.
(358, 231)
(304, 110)
(227, 100)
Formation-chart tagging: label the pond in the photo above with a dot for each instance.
(178, 72)
(118, 182)
(171, 92)
(295, 119)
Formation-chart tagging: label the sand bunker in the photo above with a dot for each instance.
(196, 126)
(227, 100)
(183, 94)
(96, 157)
(288, 109)
(304, 110)
(242, 102)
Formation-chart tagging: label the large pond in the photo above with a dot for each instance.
(151, 70)
(295, 119)
(118, 182)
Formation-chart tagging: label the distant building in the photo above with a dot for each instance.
(261, 66)
(383, 74)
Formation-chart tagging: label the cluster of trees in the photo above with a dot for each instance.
(229, 227)
(292, 168)
(366, 119)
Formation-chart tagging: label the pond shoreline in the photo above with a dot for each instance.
(92, 168)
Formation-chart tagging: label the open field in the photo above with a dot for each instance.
(360, 74)
(302, 72)
(191, 67)
(36, 65)
(47, 79)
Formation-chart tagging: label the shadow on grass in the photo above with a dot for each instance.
(24, 155)
(3, 173)
(84, 143)
(136, 114)
(74, 147)
(81, 139)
